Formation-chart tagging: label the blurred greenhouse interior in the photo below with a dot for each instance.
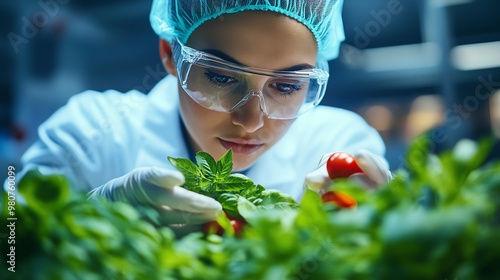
(407, 66)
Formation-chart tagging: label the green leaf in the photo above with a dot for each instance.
(206, 164)
(235, 183)
(362, 218)
(208, 188)
(439, 225)
(255, 191)
(417, 155)
(483, 150)
(190, 171)
(485, 181)
(44, 192)
(224, 222)
(312, 212)
(246, 209)
(225, 164)
(270, 197)
(229, 202)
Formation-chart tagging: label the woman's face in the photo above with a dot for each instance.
(254, 38)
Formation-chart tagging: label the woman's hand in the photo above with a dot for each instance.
(375, 172)
(161, 189)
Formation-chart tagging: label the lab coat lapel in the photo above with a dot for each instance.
(275, 170)
(161, 133)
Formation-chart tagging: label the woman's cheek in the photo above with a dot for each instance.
(274, 130)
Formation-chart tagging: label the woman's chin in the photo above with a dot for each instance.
(241, 166)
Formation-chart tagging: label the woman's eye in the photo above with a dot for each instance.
(219, 79)
(223, 79)
(287, 88)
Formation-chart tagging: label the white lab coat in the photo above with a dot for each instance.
(98, 136)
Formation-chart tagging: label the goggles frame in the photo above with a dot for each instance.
(185, 57)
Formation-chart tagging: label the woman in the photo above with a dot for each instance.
(244, 75)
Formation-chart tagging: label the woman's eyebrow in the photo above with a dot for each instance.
(224, 56)
(298, 67)
(227, 57)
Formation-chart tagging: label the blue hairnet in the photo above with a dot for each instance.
(179, 18)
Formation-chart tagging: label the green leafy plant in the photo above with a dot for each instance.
(437, 219)
(215, 179)
(61, 235)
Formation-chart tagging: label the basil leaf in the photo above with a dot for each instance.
(206, 164)
(190, 171)
(229, 202)
(225, 164)
(246, 209)
(235, 183)
(275, 196)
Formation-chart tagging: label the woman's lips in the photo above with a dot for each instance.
(241, 146)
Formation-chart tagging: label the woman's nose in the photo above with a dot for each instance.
(249, 116)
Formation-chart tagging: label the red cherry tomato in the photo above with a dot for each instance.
(342, 165)
(238, 226)
(340, 199)
(214, 227)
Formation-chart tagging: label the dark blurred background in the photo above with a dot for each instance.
(407, 66)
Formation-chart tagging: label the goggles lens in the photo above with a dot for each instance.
(223, 86)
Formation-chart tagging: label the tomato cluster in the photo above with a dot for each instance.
(215, 227)
(341, 165)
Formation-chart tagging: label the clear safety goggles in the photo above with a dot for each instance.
(223, 86)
